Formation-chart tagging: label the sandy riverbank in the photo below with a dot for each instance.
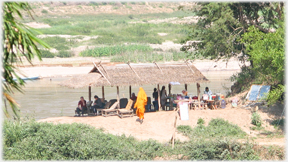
(58, 67)
(159, 125)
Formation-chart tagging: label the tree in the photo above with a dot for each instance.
(268, 54)
(19, 42)
(221, 25)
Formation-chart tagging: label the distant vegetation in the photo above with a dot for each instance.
(113, 50)
(118, 29)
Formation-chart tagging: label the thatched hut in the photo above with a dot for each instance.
(137, 74)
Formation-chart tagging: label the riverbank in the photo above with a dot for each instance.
(63, 67)
(159, 125)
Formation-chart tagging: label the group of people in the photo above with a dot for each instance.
(139, 102)
(82, 107)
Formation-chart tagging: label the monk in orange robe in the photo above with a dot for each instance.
(140, 104)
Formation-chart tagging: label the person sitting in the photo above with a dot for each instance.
(97, 104)
(207, 91)
(81, 106)
(155, 102)
(185, 94)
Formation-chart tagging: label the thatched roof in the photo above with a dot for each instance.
(149, 74)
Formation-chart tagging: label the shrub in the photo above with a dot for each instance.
(45, 141)
(44, 11)
(216, 128)
(114, 50)
(130, 16)
(55, 22)
(256, 119)
(64, 54)
(46, 54)
(185, 129)
(200, 121)
(219, 150)
(278, 122)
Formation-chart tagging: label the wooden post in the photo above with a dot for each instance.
(169, 86)
(118, 99)
(175, 128)
(159, 103)
(89, 89)
(103, 96)
(198, 94)
(130, 91)
(186, 87)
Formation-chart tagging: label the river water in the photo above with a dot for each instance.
(46, 98)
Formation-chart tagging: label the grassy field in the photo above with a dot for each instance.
(114, 31)
(30, 140)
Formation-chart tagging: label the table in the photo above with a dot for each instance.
(212, 102)
(192, 103)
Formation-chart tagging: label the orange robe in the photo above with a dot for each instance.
(140, 103)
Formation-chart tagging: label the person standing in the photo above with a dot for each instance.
(155, 102)
(163, 96)
(81, 106)
(140, 103)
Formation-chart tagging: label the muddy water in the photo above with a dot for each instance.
(46, 98)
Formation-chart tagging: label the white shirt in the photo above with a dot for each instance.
(209, 92)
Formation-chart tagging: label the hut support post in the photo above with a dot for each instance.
(186, 87)
(89, 90)
(130, 91)
(159, 103)
(103, 96)
(118, 99)
(198, 94)
(169, 86)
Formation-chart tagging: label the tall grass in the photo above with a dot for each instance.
(114, 50)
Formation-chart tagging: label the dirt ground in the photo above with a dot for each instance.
(159, 125)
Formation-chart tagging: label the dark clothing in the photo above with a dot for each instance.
(97, 105)
(155, 96)
(83, 106)
(78, 110)
(134, 98)
(156, 107)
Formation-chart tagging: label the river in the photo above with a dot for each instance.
(45, 98)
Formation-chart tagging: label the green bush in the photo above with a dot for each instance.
(256, 119)
(216, 128)
(114, 50)
(55, 22)
(200, 121)
(46, 141)
(58, 43)
(219, 150)
(46, 54)
(44, 11)
(64, 54)
(185, 129)
(278, 122)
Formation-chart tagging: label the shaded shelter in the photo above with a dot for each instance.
(137, 75)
